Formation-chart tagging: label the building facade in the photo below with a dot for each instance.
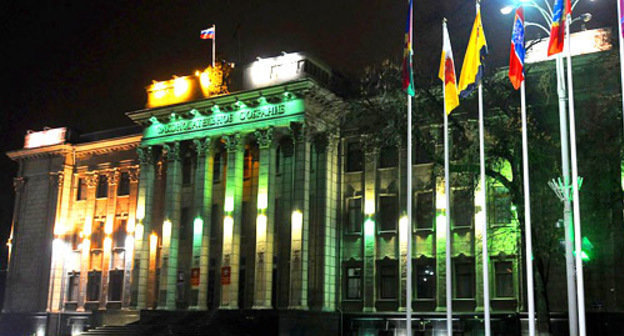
(249, 200)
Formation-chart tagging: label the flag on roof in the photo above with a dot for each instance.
(447, 73)
(207, 34)
(557, 29)
(408, 74)
(473, 66)
(516, 53)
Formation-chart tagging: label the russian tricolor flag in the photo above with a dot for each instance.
(208, 34)
(516, 54)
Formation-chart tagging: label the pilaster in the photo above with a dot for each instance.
(202, 222)
(370, 227)
(170, 228)
(63, 188)
(265, 220)
(91, 179)
(130, 244)
(232, 218)
(298, 298)
(144, 226)
(111, 201)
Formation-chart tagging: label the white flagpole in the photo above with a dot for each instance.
(483, 191)
(447, 194)
(528, 239)
(580, 291)
(214, 43)
(619, 8)
(408, 290)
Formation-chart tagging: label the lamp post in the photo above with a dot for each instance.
(563, 188)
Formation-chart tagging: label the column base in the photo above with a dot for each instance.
(197, 308)
(228, 307)
(369, 309)
(328, 309)
(261, 307)
(479, 309)
(298, 307)
(440, 309)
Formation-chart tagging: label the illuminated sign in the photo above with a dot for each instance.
(274, 70)
(211, 118)
(201, 85)
(47, 137)
(583, 42)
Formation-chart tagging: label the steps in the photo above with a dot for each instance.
(127, 330)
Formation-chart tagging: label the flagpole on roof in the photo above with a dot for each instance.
(408, 289)
(447, 195)
(214, 43)
(575, 186)
(483, 196)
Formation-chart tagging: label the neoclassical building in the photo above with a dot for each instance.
(243, 200)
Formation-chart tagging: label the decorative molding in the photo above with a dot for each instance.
(18, 183)
(172, 152)
(298, 131)
(202, 146)
(264, 137)
(133, 174)
(91, 179)
(370, 147)
(56, 178)
(146, 155)
(113, 176)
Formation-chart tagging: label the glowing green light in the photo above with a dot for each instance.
(198, 225)
(369, 227)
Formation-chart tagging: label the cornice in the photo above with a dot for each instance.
(31, 153)
(124, 143)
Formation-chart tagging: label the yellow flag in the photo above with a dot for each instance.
(447, 73)
(472, 69)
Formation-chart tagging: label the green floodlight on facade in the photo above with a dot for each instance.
(587, 250)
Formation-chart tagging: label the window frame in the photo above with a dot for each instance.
(457, 213)
(357, 278)
(123, 188)
(392, 265)
(469, 263)
(379, 214)
(419, 264)
(417, 211)
(510, 275)
(347, 221)
(352, 166)
(102, 187)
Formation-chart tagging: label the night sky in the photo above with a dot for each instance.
(84, 63)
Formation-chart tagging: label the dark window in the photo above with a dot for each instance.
(388, 281)
(115, 285)
(355, 157)
(464, 279)
(81, 192)
(278, 153)
(102, 187)
(499, 206)
(425, 279)
(353, 223)
(211, 287)
(187, 165)
(504, 279)
(73, 280)
(123, 188)
(119, 236)
(215, 220)
(462, 211)
(216, 169)
(93, 285)
(97, 235)
(421, 155)
(424, 210)
(185, 218)
(354, 283)
(388, 213)
(388, 157)
(247, 164)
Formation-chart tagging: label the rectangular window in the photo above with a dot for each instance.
(388, 157)
(355, 157)
(462, 211)
(123, 189)
(354, 283)
(102, 187)
(504, 279)
(73, 280)
(81, 192)
(115, 285)
(388, 281)
(97, 234)
(353, 223)
(93, 285)
(464, 279)
(215, 220)
(119, 235)
(421, 153)
(216, 168)
(499, 206)
(425, 279)
(187, 165)
(388, 212)
(424, 210)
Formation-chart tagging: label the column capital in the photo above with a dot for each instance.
(202, 146)
(18, 183)
(91, 178)
(145, 155)
(133, 174)
(113, 176)
(298, 131)
(56, 178)
(233, 142)
(264, 137)
(172, 152)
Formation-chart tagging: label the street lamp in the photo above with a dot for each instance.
(563, 189)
